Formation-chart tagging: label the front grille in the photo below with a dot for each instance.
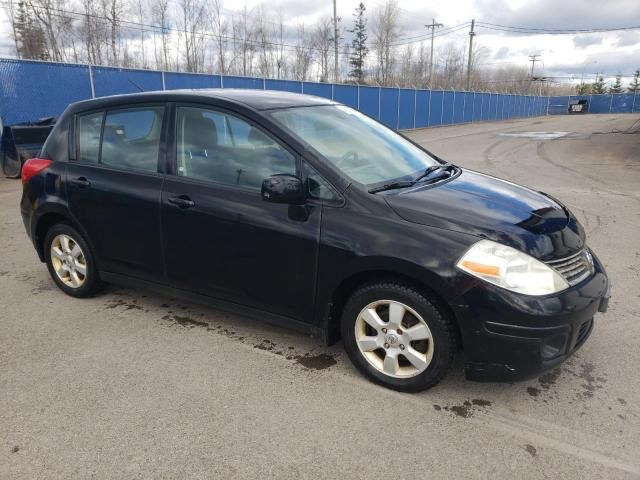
(574, 268)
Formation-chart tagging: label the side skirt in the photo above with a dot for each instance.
(229, 307)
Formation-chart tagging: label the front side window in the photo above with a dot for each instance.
(131, 139)
(89, 129)
(363, 149)
(218, 147)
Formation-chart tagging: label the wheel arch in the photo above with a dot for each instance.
(47, 218)
(349, 285)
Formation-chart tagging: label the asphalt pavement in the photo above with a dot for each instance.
(131, 384)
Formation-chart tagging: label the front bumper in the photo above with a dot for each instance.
(508, 336)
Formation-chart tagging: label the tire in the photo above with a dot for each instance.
(418, 356)
(86, 281)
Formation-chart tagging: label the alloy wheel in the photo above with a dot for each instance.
(394, 339)
(68, 261)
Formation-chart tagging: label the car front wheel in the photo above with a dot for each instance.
(397, 337)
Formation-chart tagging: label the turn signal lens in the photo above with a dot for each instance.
(509, 268)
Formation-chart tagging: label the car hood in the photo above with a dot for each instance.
(491, 208)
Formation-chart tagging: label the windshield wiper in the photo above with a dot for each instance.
(432, 169)
(393, 185)
(410, 183)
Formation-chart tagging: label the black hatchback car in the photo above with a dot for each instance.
(307, 213)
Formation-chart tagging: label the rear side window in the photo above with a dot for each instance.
(89, 128)
(131, 139)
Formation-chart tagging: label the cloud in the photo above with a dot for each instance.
(502, 53)
(583, 41)
(565, 14)
(627, 38)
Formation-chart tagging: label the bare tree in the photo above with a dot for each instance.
(160, 15)
(244, 42)
(193, 22)
(54, 23)
(10, 9)
(385, 32)
(323, 43)
(303, 55)
(221, 32)
(114, 11)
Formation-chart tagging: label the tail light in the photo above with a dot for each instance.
(32, 167)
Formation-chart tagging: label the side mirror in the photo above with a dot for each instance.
(283, 188)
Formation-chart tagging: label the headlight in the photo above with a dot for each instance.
(509, 268)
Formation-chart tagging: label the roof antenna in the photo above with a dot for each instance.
(136, 85)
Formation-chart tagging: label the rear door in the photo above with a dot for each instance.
(220, 237)
(114, 186)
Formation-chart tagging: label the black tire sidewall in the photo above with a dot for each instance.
(441, 331)
(92, 280)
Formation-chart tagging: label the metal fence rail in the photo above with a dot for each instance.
(30, 90)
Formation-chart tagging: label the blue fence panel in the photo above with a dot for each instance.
(447, 108)
(484, 106)
(477, 108)
(622, 103)
(558, 105)
(283, 85)
(231, 81)
(32, 90)
(114, 81)
(174, 81)
(436, 100)
(493, 106)
(422, 108)
(347, 94)
(318, 89)
(515, 106)
(636, 103)
(458, 107)
(369, 101)
(467, 115)
(407, 108)
(600, 104)
(389, 106)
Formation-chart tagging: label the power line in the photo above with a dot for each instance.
(548, 31)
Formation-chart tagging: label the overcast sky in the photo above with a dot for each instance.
(563, 55)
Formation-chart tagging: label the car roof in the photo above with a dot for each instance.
(256, 99)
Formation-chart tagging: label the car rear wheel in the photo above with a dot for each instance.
(397, 337)
(70, 262)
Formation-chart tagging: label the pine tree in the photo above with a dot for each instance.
(359, 48)
(617, 86)
(634, 86)
(30, 37)
(583, 88)
(598, 87)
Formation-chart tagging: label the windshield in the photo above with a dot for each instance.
(363, 149)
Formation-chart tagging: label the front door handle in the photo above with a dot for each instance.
(81, 182)
(182, 201)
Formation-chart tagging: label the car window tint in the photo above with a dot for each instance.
(89, 128)
(131, 139)
(317, 187)
(222, 148)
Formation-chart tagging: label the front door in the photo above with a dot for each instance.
(114, 188)
(220, 237)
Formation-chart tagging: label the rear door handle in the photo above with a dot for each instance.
(81, 182)
(182, 201)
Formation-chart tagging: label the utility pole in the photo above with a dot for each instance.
(433, 27)
(335, 40)
(471, 35)
(533, 59)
